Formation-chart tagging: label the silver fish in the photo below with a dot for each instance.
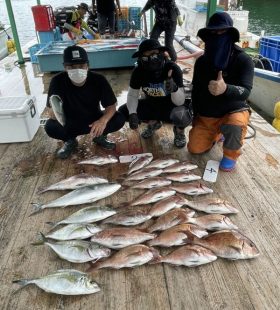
(213, 222)
(162, 163)
(153, 195)
(129, 217)
(189, 255)
(74, 231)
(117, 238)
(76, 251)
(144, 174)
(212, 205)
(79, 196)
(100, 160)
(192, 189)
(229, 244)
(129, 257)
(57, 107)
(64, 282)
(139, 163)
(151, 183)
(183, 177)
(171, 218)
(179, 167)
(87, 215)
(74, 182)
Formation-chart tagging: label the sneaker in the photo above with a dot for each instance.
(102, 141)
(227, 164)
(67, 149)
(150, 129)
(179, 138)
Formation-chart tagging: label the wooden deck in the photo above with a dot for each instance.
(253, 187)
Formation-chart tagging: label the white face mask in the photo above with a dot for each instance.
(77, 76)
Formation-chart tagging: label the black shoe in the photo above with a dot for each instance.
(179, 138)
(102, 141)
(67, 149)
(150, 129)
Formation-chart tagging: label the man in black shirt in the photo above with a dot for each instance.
(106, 14)
(75, 96)
(161, 80)
(222, 81)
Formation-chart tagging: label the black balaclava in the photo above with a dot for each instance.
(154, 65)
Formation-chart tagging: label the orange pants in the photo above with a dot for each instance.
(207, 130)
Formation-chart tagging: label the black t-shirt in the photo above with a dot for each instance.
(82, 103)
(105, 6)
(152, 85)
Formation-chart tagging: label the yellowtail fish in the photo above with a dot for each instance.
(64, 282)
(192, 189)
(100, 160)
(189, 255)
(129, 257)
(57, 107)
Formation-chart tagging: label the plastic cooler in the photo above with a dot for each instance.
(43, 17)
(19, 119)
(270, 48)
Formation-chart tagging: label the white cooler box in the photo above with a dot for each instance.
(19, 119)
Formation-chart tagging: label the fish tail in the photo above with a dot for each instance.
(156, 256)
(22, 283)
(37, 207)
(53, 224)
(94, 267)
(41, 190)
(41, 240)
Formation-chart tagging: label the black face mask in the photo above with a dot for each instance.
(152, 63)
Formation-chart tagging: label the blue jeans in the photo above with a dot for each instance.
(104, 19)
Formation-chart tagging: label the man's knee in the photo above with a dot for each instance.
(232, 135)
(124, 111)
(197, 149)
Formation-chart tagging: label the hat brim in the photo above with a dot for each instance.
(204, 32)
(75, 63)
(161, 49)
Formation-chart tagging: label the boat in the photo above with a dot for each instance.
(5, 32)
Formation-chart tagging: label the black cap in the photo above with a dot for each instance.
(74, 55)
(84, 6)
(149, 45)
(219, 21)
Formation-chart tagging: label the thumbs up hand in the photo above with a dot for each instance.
(217, 87)
(170, 85)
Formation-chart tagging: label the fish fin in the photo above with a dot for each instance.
(156, 256)
(41, 240)
(37, 207)
(93, 267)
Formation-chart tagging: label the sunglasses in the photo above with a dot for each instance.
(151, 57)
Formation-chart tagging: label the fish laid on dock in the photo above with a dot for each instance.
(143, 174)
(57, 107)
(117, 238)
(129, 257)
(212, 205)
(171, 218)
(74, 231)
(87, 215)
(229, 244)
(183, 177)
(75, 182)
(178, 235)
(189, 255)
(162, 163)
(139, 163)
(179, 167)
(213, 222)
(151, 183)
(100, 160)
(153, 195)
(77, 251)
(64, 282)
(79, 196)
(192, 189)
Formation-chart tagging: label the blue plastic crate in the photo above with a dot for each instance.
(270, 48)
(134, 16)
(275, 65)
(33, 50)
(122, 24)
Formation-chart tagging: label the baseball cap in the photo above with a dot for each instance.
(84, 6)
(74, 55)
(149, 45)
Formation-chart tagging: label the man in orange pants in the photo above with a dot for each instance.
(222, 81)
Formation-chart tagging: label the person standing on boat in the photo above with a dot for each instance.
(222, 81)
(161, 81)
(75, 97)
(106, 11)
(166, 16)
(74, 25)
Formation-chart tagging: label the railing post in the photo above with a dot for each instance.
(211, 8)
(151, 19)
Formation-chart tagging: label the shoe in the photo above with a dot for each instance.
(102, 141)
(67, 149)
(150, 129)
(227, 164)
(179, 138)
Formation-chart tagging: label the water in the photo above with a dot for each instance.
(264, 15)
